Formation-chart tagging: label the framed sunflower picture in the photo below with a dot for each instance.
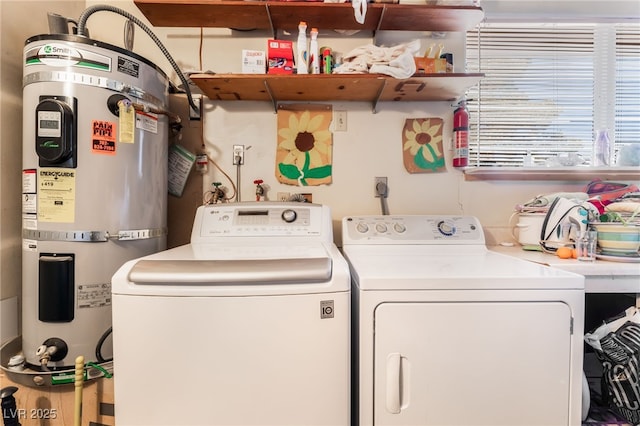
(304, 152)
(422, 145)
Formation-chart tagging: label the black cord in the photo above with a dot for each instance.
(545, 222)
(104, 336)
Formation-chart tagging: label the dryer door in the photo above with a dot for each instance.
(472, 363)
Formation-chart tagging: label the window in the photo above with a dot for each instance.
(548, 88)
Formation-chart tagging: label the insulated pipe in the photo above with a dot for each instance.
(82, 23)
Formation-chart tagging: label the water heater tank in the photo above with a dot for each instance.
(94, 189)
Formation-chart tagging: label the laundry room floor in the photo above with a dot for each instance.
(55, 406)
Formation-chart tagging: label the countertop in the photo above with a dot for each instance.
(601, 276)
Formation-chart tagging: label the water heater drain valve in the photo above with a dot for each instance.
(52, 349)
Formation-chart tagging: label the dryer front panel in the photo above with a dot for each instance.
(472, 363)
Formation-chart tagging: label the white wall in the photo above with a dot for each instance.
(560, 10)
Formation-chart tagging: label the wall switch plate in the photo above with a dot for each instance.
(193, 114)
(340, 118)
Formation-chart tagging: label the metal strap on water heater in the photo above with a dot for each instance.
(140, 234)
(93, 236)
(90, 80)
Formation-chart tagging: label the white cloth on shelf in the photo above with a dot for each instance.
(396, 61)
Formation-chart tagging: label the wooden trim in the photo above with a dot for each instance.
(546, 174)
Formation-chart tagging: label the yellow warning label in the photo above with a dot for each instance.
(56, 195)
(126, 122)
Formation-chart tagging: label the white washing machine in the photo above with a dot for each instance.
(249, 324)
(446, 332)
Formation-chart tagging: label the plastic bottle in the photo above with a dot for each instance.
(314, 60)
(602, 149)
(461, 135)
(301, 59)
(327, 63)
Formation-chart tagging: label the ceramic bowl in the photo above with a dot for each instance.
(617, 238)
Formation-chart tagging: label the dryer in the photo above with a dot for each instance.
(249, 324)
(446, 332)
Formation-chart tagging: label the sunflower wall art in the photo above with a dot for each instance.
(422, 145)
(304, 153)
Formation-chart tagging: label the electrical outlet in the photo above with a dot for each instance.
(340, 118)
(380, 187)
(238, 155)
(193, 114)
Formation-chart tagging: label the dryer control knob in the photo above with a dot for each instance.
(289, 215)
(362, 227)
(446, 229)
(381, 227)
(399, 228)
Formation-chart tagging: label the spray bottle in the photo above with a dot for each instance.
(461, 135)
(301, 58)
(601, 149)
(314, 60)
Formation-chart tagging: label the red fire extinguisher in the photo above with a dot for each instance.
(461, 135)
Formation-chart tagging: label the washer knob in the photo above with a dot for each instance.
(289, 215)
(381, 227)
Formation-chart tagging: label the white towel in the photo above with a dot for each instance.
(396, 61)
(401, 67)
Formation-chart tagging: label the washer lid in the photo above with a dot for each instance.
(240, 271)
(301, 267)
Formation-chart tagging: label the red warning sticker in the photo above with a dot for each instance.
(103, 137)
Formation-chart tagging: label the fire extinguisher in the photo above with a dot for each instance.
(461, 135)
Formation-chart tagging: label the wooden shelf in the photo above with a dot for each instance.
(372, 88)
(285, 15)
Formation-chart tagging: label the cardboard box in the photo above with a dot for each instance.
(254, 62)
(430, 65)
(280, 53)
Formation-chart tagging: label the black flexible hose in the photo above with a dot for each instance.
(82, 23)
(104, 336)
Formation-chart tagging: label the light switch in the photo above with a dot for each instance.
(340, 118)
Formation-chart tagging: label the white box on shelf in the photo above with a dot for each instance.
(253, 62)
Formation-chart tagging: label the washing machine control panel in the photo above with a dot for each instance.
(412, 229)
(260, 219)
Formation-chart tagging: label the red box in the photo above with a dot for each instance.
(280, 57)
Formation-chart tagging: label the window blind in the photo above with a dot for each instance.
(627, 99)
(548, 88)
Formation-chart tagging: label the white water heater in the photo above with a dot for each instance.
(94, 189)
